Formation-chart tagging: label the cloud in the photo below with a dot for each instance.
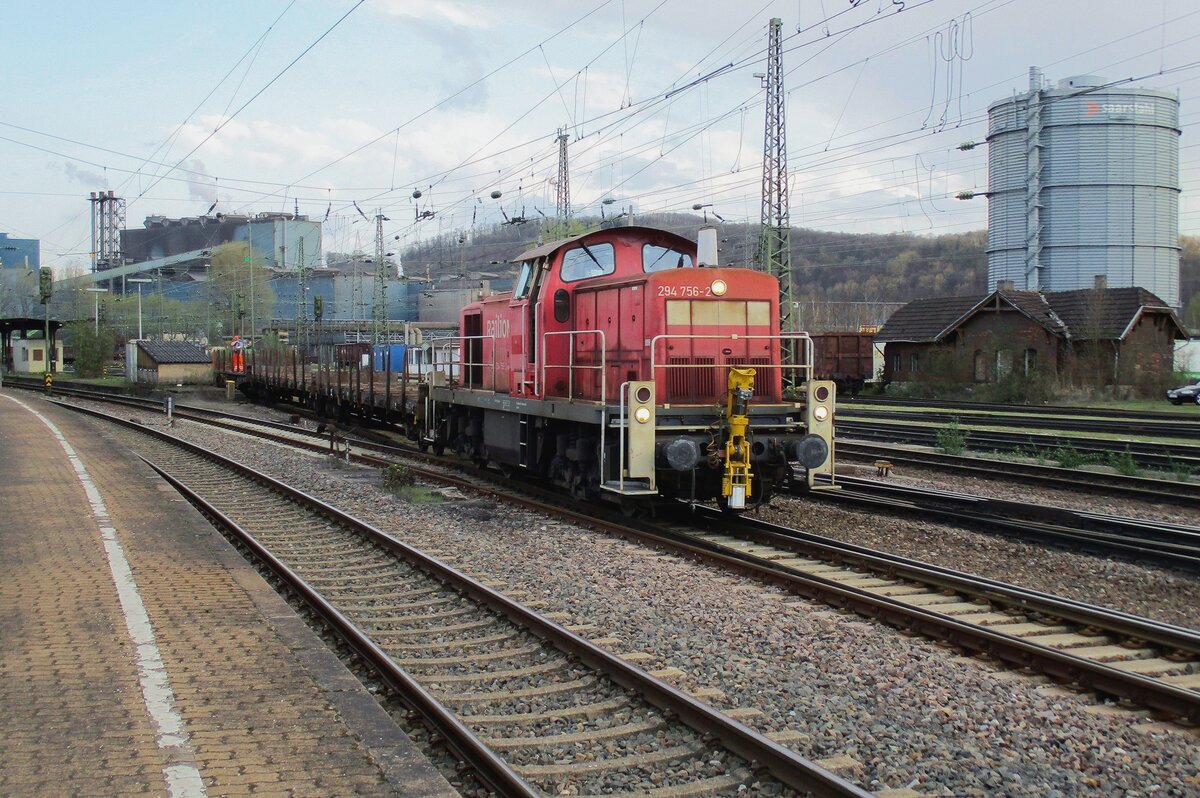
(91, 179)
(456, 14)
(201, 185)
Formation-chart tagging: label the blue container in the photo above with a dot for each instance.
(389, 357)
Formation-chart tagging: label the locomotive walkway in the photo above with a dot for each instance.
(141, 655)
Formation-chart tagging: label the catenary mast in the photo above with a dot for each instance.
(774, 246)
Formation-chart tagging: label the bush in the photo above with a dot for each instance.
(398, 476)
(93, 350)
(1124, 463)
(952, 439)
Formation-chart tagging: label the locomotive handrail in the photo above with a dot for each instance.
(448, 349)
(431, 406)
(464, 363)
(539, 389)
(799, 336)
(570, 366)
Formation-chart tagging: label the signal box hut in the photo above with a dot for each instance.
(24, 346)
(1106, 336)
(172, 362)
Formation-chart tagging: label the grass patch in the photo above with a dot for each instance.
(401, 482)
(419, 494)
(1182, 472)
(1070, 457)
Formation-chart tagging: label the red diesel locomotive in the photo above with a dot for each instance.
(626, 364)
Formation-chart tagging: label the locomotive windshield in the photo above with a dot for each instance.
(585, 261)
(657, 259)
(523, 282)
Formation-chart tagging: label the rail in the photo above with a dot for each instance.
(788, 766)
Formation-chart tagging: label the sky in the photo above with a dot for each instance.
(345, 108)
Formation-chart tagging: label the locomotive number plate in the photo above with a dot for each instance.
(684, 291)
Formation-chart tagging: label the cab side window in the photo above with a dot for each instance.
(594, 260)
(657, 259)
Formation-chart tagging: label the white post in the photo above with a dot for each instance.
(139, 311)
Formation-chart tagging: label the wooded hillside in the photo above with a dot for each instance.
(863, 270)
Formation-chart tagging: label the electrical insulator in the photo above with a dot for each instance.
(318, 307)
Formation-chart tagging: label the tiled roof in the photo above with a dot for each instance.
(1092, 314)
(926, 319)
(1086, 314)
(173, 352)
(1034, 305)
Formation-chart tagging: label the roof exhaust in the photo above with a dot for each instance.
(706, 246)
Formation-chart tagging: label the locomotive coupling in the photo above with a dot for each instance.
(735, 486)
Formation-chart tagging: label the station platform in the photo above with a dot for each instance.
(141, 655)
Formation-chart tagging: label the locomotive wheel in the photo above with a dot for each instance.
(422, 444)
(439, 447)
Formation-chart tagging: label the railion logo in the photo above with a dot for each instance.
(1092, 108)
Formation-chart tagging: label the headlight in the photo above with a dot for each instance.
(642, 414)
(719, 288)
(820, 412)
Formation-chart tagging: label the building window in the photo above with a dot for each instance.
(912, 363)
(981, 366)
(37, 355)
(1004, 363)
(895, 364)
(1030, 361)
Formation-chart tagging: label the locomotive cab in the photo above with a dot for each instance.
(625, 363)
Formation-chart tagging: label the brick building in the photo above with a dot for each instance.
(1112, 335)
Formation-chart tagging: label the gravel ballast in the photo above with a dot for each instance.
(909, 713)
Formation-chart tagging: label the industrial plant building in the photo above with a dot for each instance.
(1084, 181)
(277, 239)
(23, 253)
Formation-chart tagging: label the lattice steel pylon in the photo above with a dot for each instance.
(775, 242)
(304, 325)
(563, 206)
(108, 220)
(379, 317)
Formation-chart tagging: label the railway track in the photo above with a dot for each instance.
(1041, 410)
(1150, 489)
(1180, 428)
(1145, 488)
(1159, 456)
(531, 705)
(1172, 545)
(1160, 543)
(1115, 654)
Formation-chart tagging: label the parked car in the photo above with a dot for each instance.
(1185, 393)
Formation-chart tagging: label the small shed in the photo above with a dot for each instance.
(172, 362)
(24, 345)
